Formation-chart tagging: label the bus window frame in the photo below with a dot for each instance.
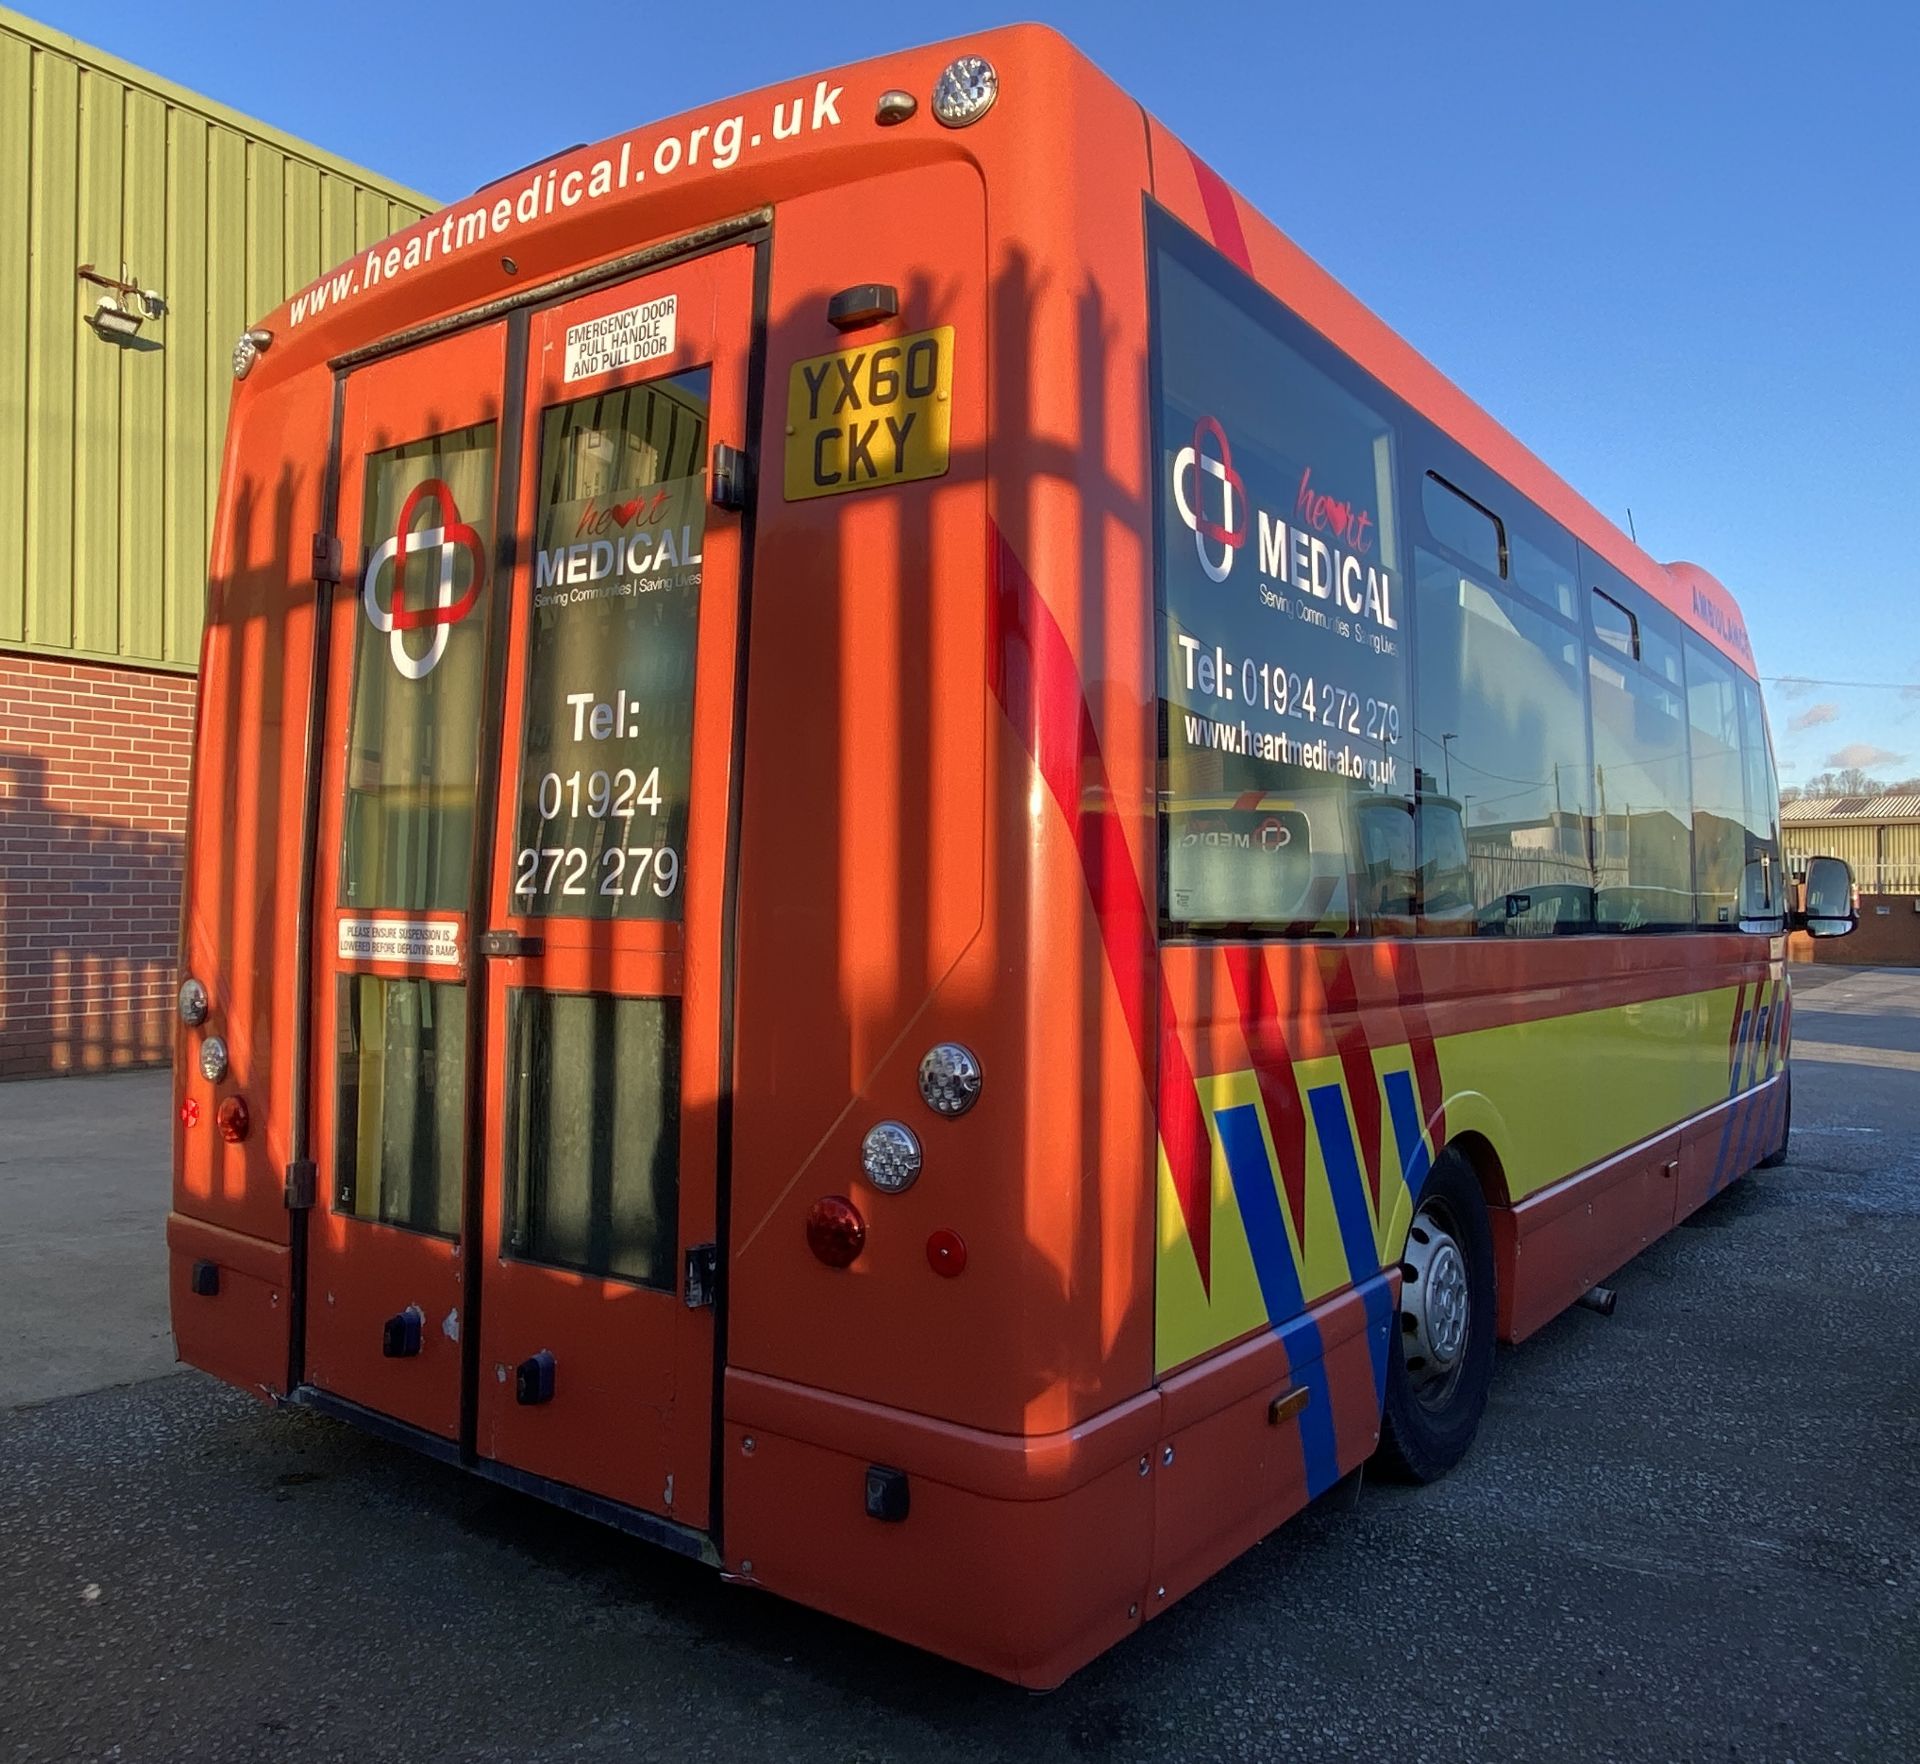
(1164, 230)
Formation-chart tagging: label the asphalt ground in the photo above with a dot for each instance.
(1688, 1532)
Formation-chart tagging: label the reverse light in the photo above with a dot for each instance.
(966, 90)
(193, 1002)
(890, 1155)
(835, 1231)
(249, 349)
(233, 1120)
(950, 1079)
(213, 1059)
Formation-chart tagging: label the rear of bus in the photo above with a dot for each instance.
(647, 1037)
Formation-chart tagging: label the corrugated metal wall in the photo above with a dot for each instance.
(1842, 839)
(110, 454)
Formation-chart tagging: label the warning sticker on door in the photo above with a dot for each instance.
(418, 942)
(621, 339)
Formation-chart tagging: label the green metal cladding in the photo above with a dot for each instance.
(110, 453)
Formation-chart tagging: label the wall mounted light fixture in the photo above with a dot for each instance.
(119, 313)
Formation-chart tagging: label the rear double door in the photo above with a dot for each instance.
(522, 859)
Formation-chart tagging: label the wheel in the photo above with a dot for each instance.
(1775, 1158)
(1440, 1359)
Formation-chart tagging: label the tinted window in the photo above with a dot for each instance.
(1613, 625)
(1542, 565)
(1462, 525)
(414, 722)
(1719, 786)
(1282, 621)
(1501, 748)
(607, 749)
(1762, 895)
(593, 1134)
(1642, 811)
(400, 1101)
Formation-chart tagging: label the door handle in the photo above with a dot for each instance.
(510, 943)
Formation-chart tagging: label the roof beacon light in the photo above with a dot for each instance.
(966, 91)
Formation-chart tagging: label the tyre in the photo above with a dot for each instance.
(1778, 1156)
(1440, 1358)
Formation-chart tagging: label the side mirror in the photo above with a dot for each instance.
(1829, 910)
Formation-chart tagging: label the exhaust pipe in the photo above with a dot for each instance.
(1599, 1298)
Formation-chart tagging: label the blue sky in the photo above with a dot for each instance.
(1674, 247)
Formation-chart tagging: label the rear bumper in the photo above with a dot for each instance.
(241, 1331)
(1025, 1556)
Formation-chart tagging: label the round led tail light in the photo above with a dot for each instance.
(950, 1079)
(193, 1002)
(890, 1155)
(835, 1231)
(233, 1120)
(213, 1059)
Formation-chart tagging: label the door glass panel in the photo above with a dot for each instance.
(419, 674)
(401, 1101)
(606, 756)
(593, 1134)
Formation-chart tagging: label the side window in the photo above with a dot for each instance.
(1463, 526)
(1540, 563)
(1504, 776)
(1761, 892)
(1643, 846)
(1614, 625)
(1281, 615)
(1719, 787)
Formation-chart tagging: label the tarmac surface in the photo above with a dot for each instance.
(1688, 1532)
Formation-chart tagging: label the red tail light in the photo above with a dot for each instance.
(190, 1113)
(233, 1120)
(835, 1231)
(947, 1252)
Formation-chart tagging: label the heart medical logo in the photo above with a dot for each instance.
(1230, 531)
(449, 538)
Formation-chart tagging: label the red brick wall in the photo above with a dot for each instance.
(93, 814)
(1888, 937)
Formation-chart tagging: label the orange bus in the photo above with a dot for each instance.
(911, 868)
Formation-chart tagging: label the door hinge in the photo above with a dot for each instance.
(732, 476)
(703, 1275)
(301, 1182)
(326, 559)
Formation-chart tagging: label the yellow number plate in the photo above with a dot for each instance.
(878, 415)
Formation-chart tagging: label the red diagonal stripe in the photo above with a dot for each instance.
(1356, 1058)
(1411, 994)
(1038, 685)
(1266, 1037)
(1223, 214)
